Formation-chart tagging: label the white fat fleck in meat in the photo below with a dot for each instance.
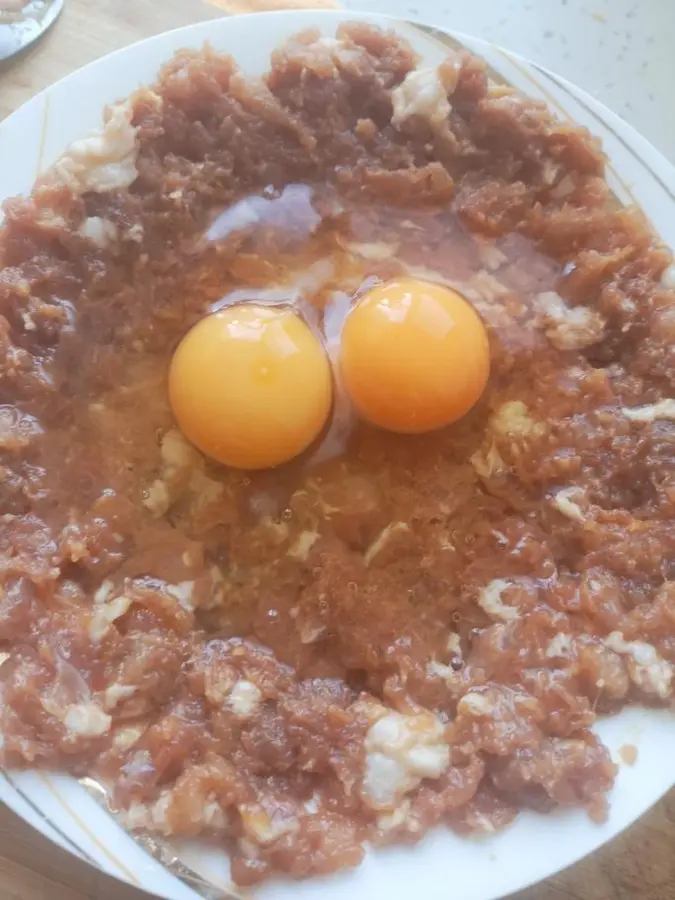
(490, 601)
(549, 171)
(104, 591)
(421, 93)
(101, 232)
(475, 704)
(277, 531)
(560, 646)
(664, 409)
(564, 501)
(374, 251)
(446, 673)
(181, 467)
(214, 817)
(248, 849)
(312, 805)
(156, 817)
(400, 751)
(135, 233)
(159, 813)
(218, 590)
(382, 539)
(386, 780)
(454, 645)
(217, 688)
(483, 286)
(103, 161)
(569, 328)
(176, 453)
(145, 817)
(206, 490)
(487, 463)
(87, 720)
(156, 498)
(309, 633)
(28, 321)
(478, 821)
(51, 219)
(303, 544)
(393, 820)
(266, 828)
(244, 699)
(116, 693)
(136, 818)
(490, 255)
(401, 817)
(127, 735)
(648, 671)
(512, 419)
(565, 186)
(104, 614)
(184, 593)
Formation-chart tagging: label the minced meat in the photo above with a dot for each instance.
(390, 633)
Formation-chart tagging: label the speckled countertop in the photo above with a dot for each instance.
(621, 51)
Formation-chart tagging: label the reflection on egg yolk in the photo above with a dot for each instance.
(251, 386)
(414, 356)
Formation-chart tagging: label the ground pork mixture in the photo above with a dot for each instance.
(391, 633)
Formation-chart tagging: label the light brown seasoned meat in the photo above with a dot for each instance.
(406, 632)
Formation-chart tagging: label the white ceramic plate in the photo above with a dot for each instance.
(443, 865)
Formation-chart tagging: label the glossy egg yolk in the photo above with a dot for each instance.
(414, 356)
(251, 386)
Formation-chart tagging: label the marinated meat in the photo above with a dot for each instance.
(391, 632)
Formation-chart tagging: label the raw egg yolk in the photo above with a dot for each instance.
(251, 386)
(414, 356)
